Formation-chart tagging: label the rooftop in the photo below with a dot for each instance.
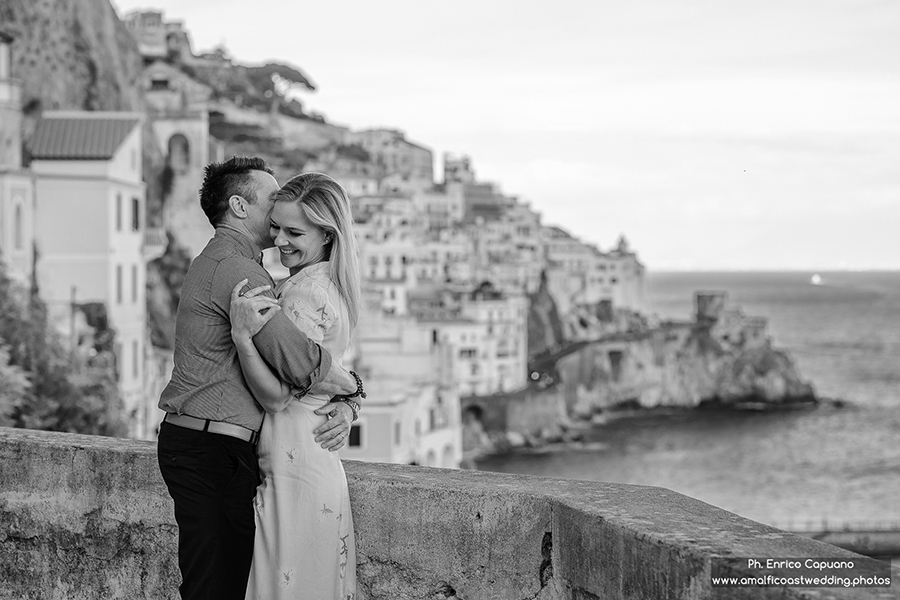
(81, 135)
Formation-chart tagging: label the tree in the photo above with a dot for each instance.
(69, 391)
(14, 386)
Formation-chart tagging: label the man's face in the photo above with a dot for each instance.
(258, 212)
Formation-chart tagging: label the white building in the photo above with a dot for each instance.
(581, 277)
(16, 185)
(482, 334)
(89, 231)
(412, 413)
(407, 166)
(177, 105)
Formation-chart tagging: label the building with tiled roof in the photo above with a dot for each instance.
(81, 135)
(89, 234)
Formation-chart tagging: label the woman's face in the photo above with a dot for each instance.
(299, 242)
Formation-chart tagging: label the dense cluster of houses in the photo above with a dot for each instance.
(448, 267)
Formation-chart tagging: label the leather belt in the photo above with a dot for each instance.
(189, 422)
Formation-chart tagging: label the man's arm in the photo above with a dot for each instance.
(289, 351)
(292, 356)
(248, 314)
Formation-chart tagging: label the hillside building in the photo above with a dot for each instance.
(90, 235)
(178, 109)
(407, 166)
(412, 413)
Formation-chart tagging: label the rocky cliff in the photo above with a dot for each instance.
(78, 55)
(684, 364)
(72, 54)
(544, 325)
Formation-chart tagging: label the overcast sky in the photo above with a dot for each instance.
(714, 134)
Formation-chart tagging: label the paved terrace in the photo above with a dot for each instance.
(84, 517)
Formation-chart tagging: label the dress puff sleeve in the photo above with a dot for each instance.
(309, 308)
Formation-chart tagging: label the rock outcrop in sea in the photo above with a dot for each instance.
(722, 357)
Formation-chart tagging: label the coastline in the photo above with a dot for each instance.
(571, 436)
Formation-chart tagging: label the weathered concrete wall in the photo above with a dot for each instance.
(85, 517)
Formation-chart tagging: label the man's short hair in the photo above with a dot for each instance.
(223, 180)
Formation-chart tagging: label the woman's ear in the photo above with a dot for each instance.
(238, 206)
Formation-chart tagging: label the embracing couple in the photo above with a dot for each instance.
(258, 401)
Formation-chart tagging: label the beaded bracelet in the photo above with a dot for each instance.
(360, 392)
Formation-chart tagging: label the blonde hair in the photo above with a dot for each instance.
(327, 206)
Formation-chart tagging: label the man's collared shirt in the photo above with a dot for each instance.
(207, 381)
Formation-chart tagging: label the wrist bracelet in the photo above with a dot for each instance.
(360, 392)
(353, 404)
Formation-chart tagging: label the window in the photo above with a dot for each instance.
(179, 156)
(355, 436)
(118, 212)
(135, 360)
(397, 432)
(119, 359)
(468, 353)
(134, 283)
(135, 214)
(19, 233)
(119, 284)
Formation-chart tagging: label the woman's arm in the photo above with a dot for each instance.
(246, 321)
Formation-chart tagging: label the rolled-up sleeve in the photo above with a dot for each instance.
(290, 353)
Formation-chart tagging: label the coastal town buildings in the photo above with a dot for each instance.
(407, 165)
(412, 413)
(178, 111)
(448, 267)
(90, 229)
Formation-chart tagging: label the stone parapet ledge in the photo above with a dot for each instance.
(85, 517)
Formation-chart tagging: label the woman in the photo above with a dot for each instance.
(304, 546)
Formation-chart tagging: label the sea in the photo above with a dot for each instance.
(836, 465)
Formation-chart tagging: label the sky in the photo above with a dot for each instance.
(712, 134)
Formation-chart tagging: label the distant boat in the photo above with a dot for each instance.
(816, 279)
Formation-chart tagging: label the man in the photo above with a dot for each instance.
(207, 439)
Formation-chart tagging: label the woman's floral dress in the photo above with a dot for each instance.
(304, 547)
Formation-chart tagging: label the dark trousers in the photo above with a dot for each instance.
(212, 478)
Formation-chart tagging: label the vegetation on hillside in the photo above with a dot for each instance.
(48, 384)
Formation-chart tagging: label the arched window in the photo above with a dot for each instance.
(179, 158)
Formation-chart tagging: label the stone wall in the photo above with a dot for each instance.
(85, 517)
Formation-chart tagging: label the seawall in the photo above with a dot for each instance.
(84, 517)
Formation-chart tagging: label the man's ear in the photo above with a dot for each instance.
(238, 206)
